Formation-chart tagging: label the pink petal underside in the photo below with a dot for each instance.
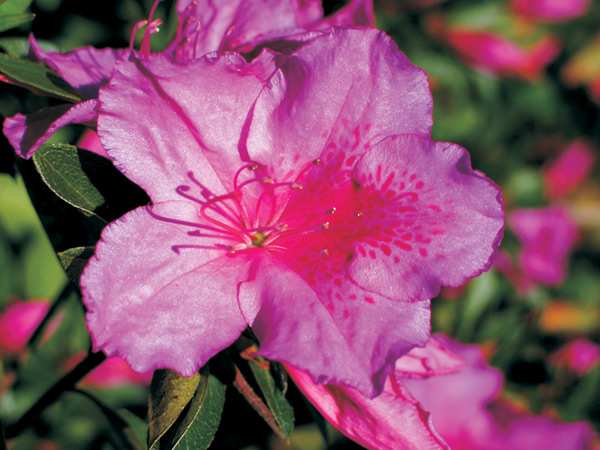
(28, 133)
(157, 295)
(314, 105)
(457, 401)
(338, 334)
(393, 420)
(161, 120)
(86, 69)
(433, 359)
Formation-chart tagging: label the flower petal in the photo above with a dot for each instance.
(350, 342)
(391, 421)
(433, 359)
(315, 104)
(153, 306)
(86, 68)
(443, 221)
(204, 106)
(28, 133)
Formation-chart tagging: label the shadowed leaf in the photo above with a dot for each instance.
(74, 261)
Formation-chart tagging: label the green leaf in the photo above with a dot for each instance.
(135, 424)
(11, 21)
(170, 393)
(37, 77)
(200, 423)
(74, 261)
(87, 181)
(13, 6)
(282, 411)
(19, 47)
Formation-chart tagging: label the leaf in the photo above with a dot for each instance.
(282, 411)
(37, 77)
(137, 425)
(197, 429)
(126, 436)
(87, 181)
(11, 21)
(19, 47)
(13, 6)
(74, 261)
(170, 393)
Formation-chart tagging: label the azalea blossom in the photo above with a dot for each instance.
(394, 419)
(551, 10)
(111, 373)
(205, 26)
(468, 414)
(286, 197)
(579, 355)
(569, 170)
(548, 236)
(18, 322)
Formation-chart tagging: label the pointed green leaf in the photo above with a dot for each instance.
(13, 6)
(37, 78)
(282, 411)
(135, 424)
(170, 393)
(19, 46)
(87, 181)
(197, 430)
(14, 20)
(74, 261)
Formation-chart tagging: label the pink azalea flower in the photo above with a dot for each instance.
(111, 373)
(569, 170)
(551, 10)
(579, 355)
(18, 322)
(286, 197)
(205, 26)
(467, 414)
(90, 140)
(241, 25)
(394, 419)
(490, 53)
(547, 236)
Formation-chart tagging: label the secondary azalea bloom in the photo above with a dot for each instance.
(468, 415)
(393, 419)
(580, 356)
(548, 236)
(551, 10)
(491, 53)
(241, 25)
(286, 197)
(18, 322)
(205, 26)
(569, 170)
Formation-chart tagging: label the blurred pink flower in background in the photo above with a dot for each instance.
(551, 10)
(19, 320)
(547, 236)
(89, 140)
(568, 172)
(111, 373)
(467, 413)
(494, 54)
(580, 356)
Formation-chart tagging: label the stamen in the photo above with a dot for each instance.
(151, 29)
(316, 162)
(324, 225)
(331, 210)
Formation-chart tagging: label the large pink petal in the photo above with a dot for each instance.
(341, 91)
(433, 359)
(203, 106)
(392, 420)
(28, 133)
(442, 221)
(155, 302)
(86, 69)
(345, 340)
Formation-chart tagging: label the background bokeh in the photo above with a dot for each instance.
(531, 121)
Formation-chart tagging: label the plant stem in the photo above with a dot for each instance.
(67, 382)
